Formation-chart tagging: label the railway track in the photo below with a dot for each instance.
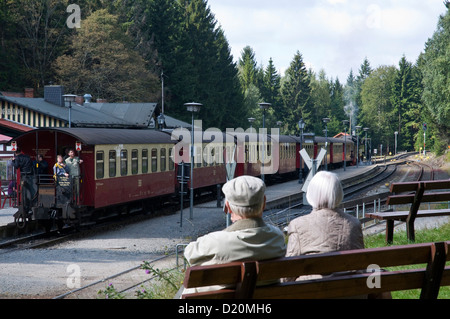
(127, 282)
(357, 197)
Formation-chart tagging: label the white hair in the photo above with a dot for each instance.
(324, 191)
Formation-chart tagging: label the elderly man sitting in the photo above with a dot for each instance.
(248, 238)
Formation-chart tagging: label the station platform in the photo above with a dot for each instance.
(275, 194)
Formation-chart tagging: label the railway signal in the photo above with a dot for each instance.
(313, 166)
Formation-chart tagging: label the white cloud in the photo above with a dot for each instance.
(335, 35)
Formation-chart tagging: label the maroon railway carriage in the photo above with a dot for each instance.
(119, 166)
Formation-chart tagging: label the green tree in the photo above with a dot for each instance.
(212, 72)
(41, 32)
(337, 107)
(435, 67)
(101, 61)
(247, 67)
(404, 100)
(296, 94)
(321, 99)
(377, 112)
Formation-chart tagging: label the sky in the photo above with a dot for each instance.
(333, 35)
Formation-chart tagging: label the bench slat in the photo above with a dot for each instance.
(409, 198)
(402, 215)
(413, 186)
(343, 261)
(200, 276)
(345, 286)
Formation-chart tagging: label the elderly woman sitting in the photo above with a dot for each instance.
(326, 228)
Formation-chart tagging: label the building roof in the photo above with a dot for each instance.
(92, 114)
(14, 126)
(104, 136)
(138, 114)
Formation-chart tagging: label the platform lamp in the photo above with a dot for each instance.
(301, 126)
(70, 98)
(264, 107)
(251, 120)
(365, 143)
(345, 122)
(161, 121)
(193, 108)
(326, 120)
(357, 128)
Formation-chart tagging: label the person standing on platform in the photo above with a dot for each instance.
(73, 164)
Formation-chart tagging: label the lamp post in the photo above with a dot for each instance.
(345, 122)
(301, 126)
(326, 120)
(69, 98)
(251, 120)
(365, 143)
(395, 134)
(193, 108)
(357, 128)
(161, 121)
(263, 106)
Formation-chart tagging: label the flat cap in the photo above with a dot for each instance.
(244, 191)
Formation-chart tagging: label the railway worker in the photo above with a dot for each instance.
(73, 164)
(248, 238)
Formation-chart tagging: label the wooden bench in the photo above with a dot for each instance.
(420, 194)
(242, 278)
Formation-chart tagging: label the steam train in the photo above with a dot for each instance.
(126, 169)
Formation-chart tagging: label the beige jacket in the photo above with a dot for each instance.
(324, 231)
(246, 239)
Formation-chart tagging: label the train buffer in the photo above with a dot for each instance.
(415, 194)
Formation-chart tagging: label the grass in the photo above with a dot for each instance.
(422, 236)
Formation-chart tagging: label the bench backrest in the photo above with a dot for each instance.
(419, 188)
(242, 278)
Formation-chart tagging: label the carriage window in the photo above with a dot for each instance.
(100, 165)
(171, 163)
(112, 163)
(154, 160)
(123, 162)
(134, 162)
(144, 161)
(163, 160)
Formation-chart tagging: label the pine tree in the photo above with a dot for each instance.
(436, 78)
(402, 101)
(296, 94)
